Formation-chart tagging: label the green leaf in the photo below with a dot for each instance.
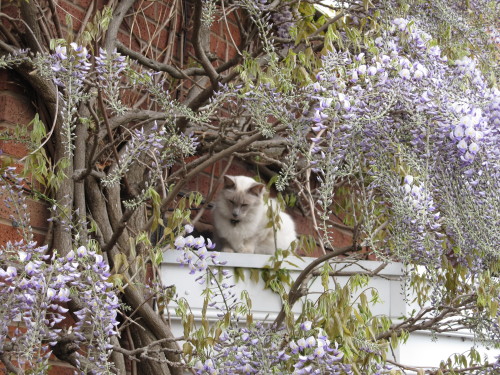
(254, 275)
(187, 348)
(239, 274)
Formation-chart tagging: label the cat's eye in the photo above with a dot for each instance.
(232, 202)
(244, 205)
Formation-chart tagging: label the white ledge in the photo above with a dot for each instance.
(419, 350)
(266, 303)
(259, 261)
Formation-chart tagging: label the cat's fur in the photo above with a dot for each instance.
(241, 219)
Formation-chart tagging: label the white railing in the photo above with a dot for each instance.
(265, 303)
(420, 350)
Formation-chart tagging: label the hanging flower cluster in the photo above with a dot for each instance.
(36, 286)
(467, 135)
(315, 354)
(194, 252)
(68, 67)
(417, 226)
(400, 105)
(98, 316)
(110, 68)
(261, 350)
(34, 289)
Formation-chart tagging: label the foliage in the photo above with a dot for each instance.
(381, 118)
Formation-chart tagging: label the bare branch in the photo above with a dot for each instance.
(157, 66)
(9, 365)
(199, 32)
(114, 25)
(295, 294)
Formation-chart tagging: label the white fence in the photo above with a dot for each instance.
(421, 350)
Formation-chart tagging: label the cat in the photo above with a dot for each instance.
(241, 219)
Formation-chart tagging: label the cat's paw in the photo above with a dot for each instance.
(247, 250)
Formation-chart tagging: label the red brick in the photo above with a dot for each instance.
(128, 40)
(160, 39)
(217, 27)
(213, 43)
(219, 47)
(200, 183)
(238, 169)
(37, 211)
(11, 11)
(77, 15)
(9, 81)
(12, 148)
(155, 10)
(214, 168)
(59, 370)
(8, 233)
(15, 110)
(231, 52)
(84, 4)
(146, 31)
(234, 31)
(38, 214)
(303, 225)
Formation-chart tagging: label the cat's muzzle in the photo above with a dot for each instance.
(234, 221)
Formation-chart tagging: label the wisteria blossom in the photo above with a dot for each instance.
(408, 107)
(35, 292)
(35, 288)
(261, 350)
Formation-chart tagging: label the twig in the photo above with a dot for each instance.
(294, 294)
(52, 7)
(198, 46)
(134, 352)
(88, 14)
(8, 364)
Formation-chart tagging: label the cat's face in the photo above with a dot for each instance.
(240, 197)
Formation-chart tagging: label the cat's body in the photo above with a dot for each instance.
(241, 219)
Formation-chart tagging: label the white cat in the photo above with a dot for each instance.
(241, 219)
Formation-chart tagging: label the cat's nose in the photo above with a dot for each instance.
(236, 213)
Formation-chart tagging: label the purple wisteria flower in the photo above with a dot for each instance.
(156, 143)
(110, 68)
(259, 349)
(404, 105)
(34, 286)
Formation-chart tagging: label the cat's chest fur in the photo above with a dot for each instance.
(241, 219)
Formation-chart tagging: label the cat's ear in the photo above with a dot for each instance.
(229, 182)
(256, 189)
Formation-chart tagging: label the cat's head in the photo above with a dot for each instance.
(240, 198)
